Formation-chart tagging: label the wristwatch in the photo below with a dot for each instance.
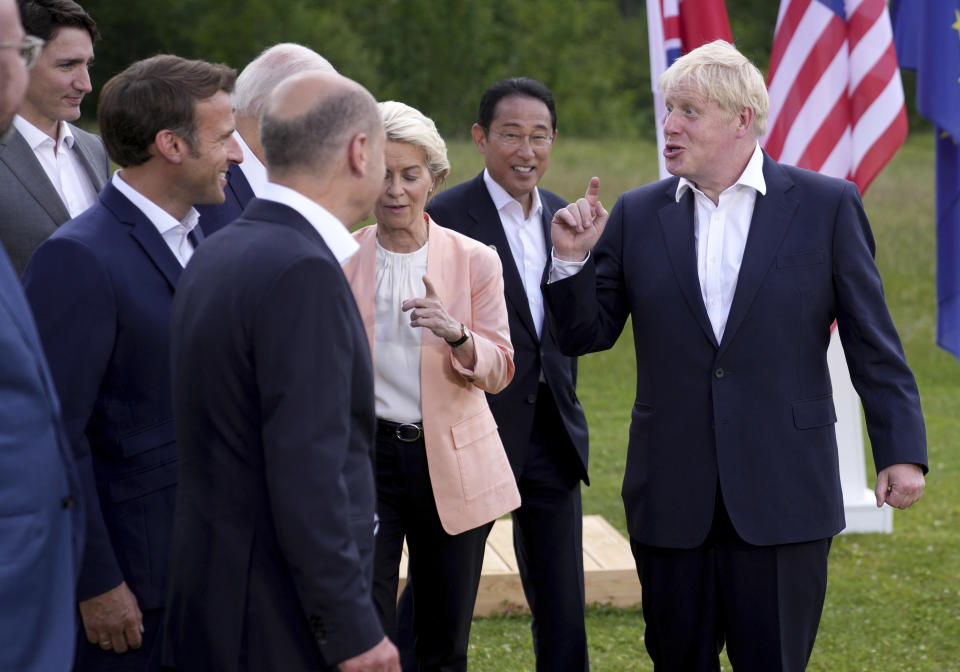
(464, 335)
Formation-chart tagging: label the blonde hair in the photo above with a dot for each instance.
(403, 123)
(722, 74)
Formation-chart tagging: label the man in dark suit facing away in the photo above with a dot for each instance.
(538, 415)
(254, 85)
(272, 556)
(50, 170)
(101, 288)
(733, 271)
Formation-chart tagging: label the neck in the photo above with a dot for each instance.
(319, 189)
(49, 126)
(163, 193)
(403, 240)
(249, 130)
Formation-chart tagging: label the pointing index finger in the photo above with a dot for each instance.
(593, 191)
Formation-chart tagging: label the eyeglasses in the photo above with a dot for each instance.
(538, 140)
(28, 51)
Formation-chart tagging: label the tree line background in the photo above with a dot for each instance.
(436, 55)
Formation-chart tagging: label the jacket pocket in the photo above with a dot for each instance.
(801, 258)
(814, 413)
(147, 438)
(143, 483)
(480, 456)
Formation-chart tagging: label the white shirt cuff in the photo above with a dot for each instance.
(560, 269)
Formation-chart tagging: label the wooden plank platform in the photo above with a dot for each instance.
(609, 572)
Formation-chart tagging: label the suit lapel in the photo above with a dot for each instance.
(361, 270)
(676, 220)
(772, 214)
(144, 232)
(489, 230)
(87, 159)
(24, 164)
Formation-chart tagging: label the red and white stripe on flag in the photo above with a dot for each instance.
(836, 99)
(675, 27)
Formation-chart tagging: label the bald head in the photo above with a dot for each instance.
(311, 117)
(261, 76)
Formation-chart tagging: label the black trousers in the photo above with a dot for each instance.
(548, 541)
(444, 569)
(763, 602)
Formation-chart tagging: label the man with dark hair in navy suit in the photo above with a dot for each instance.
(101, 288)
(41, 527)
(733, 272)
(538, 415)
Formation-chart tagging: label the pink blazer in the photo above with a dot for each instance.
(471, 476)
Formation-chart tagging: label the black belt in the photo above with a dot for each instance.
(408, 432)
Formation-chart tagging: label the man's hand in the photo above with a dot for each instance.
(576, 228)
(899, 485)
(113, 620)
(381, 658)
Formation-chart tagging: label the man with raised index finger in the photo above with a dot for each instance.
(733, 272)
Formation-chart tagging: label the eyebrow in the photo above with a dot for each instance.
(515, 124)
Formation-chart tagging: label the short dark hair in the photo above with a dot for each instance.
(515, 86)
(312, 138)
(43, 18)
(152, 95)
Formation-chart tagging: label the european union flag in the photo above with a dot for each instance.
(927, 35)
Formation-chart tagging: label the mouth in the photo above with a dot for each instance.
(394, 208)
(73, 100)
(671, 151)
(523, 170)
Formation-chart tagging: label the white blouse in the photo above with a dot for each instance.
(396, 349)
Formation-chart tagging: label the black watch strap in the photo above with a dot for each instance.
(464, 335)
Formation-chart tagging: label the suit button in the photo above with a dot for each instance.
(67, 501)
(531, 398)
(718, 373)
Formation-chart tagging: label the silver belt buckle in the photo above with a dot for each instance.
(408, 432)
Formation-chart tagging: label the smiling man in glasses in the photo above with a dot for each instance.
(50, 170)
(541, 422)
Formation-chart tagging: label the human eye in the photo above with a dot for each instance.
(511, 137)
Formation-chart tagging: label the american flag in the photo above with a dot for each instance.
(836, 100)
(675, 27)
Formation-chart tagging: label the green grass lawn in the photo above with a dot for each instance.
(893, 601)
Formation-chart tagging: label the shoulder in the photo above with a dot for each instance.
(366, 236)
(455, 195)
(811, 183)
(461, 246)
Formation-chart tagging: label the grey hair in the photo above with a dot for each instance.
(721, 73)
(258, 80)
(403, 123)
(312, 139)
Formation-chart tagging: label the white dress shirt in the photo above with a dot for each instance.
(331, 229)
(61, 164)
(720, 232)
(720, 235)
(527, 245)
(173, 231)
(396, 350)
(253, 170)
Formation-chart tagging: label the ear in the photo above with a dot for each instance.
(744, 121)
(170, 146)
(479, 138)
(357, 154)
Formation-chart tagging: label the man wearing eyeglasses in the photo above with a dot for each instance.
(41, 528)
(540, 420)
(50, 170)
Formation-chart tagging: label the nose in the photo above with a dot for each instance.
(82, 80)
(234, 153)
(392, 186)
(525, 148)
(671, 122)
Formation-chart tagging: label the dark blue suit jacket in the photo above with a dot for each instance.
(41, 527)
(273, 396)
(754, 412)
(237, 193)
(468, 209)
(101, 288)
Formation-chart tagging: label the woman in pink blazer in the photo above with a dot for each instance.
(433, 306)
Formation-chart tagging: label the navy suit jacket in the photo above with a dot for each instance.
(273, 397)
(753, 413)
(40, 523)
(101, 288)
(237, 194)
(468, 209)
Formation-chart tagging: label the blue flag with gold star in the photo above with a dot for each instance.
(927, 36)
